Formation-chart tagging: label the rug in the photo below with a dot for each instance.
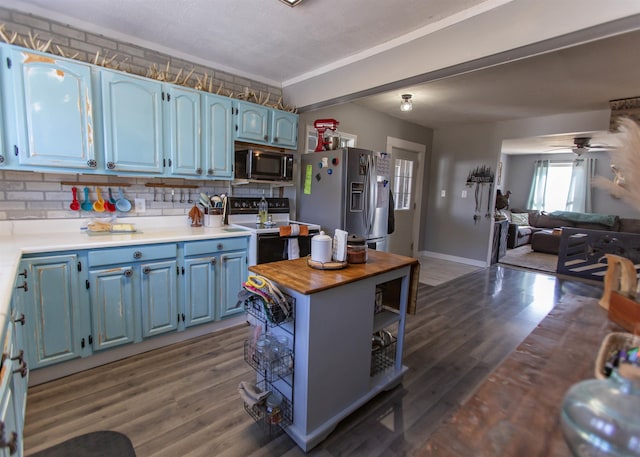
(96, 444)
(523, 256)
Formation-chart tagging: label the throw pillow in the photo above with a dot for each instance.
(520, 218)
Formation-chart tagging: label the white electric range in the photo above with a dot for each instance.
(265, 242)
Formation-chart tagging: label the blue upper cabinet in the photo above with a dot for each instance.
(252, 122)
(260, 124)
(132, 123)
(284, 129)
(182, 131)
(49, 116)
(217, 139)
(3, 146)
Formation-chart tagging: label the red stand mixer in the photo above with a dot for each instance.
(321, 125)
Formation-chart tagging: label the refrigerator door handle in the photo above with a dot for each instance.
(371, 194)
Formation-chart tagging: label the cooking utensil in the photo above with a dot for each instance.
(75, 204)
(86, 204)
(189, 197)
(122, 204)
(110, 203)
(98, 205)
(216, 201)
(204, 200)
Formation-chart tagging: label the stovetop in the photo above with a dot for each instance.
(243, 212)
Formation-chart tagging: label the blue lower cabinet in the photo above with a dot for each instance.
(51, 304)
(200, 289)
(233, 271)
(214, 271)
(112, 302)
(76, 305)
(159, 298)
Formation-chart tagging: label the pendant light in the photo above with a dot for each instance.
(406, 104)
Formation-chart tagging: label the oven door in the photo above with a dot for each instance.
(272, 247)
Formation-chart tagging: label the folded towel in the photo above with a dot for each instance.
(340, 245)
(289, 230)
(250, 393)
(293, 249)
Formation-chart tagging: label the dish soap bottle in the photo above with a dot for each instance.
(263, 209)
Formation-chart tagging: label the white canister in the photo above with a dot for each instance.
(321, 248)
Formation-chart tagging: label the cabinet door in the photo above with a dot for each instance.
(53, 111)
(9, 418)
(252, 123)
(233, 270)
(284, 129)
(20, 374)
(182, 131)
(112, 322)
(5, 90)
(216, 136)
(51, 310)
(201, 289)
(158, 297)
(132, 118)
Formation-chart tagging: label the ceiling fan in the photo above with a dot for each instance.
(582, 144)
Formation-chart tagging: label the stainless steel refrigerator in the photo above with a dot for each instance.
(347, 189)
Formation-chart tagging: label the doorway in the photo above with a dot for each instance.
(407, 167)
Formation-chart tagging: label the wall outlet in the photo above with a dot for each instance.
(464, 194)
(443, 193)
(140, 205)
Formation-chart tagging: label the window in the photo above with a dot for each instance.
(402, 181)
(558, 184)
(562, 185)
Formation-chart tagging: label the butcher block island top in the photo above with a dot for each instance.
(299, 276)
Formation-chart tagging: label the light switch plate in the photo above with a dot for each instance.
(443, 193)
(140, 205)
(464, 194)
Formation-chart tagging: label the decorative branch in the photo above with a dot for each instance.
(625, 163)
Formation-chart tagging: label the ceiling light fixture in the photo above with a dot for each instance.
(406, 104)
(292, 2)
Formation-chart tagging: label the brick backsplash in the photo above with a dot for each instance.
(29, 195)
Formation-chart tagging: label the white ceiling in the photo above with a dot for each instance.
(269, 41)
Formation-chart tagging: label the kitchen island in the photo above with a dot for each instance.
(336, 315)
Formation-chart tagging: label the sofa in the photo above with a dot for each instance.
(540, 229)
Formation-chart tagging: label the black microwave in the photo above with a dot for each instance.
(260, 164)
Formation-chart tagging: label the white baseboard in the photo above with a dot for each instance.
(453, 258)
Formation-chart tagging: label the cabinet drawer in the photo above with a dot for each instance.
(132, 254)
(214, 246)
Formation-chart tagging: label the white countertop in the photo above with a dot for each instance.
(54, 235)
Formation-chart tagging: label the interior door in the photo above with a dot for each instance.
(403, 185)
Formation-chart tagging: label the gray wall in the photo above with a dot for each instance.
(450, 230)
(372, 127)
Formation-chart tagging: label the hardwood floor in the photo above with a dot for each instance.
(434, 271)
(182, 400)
